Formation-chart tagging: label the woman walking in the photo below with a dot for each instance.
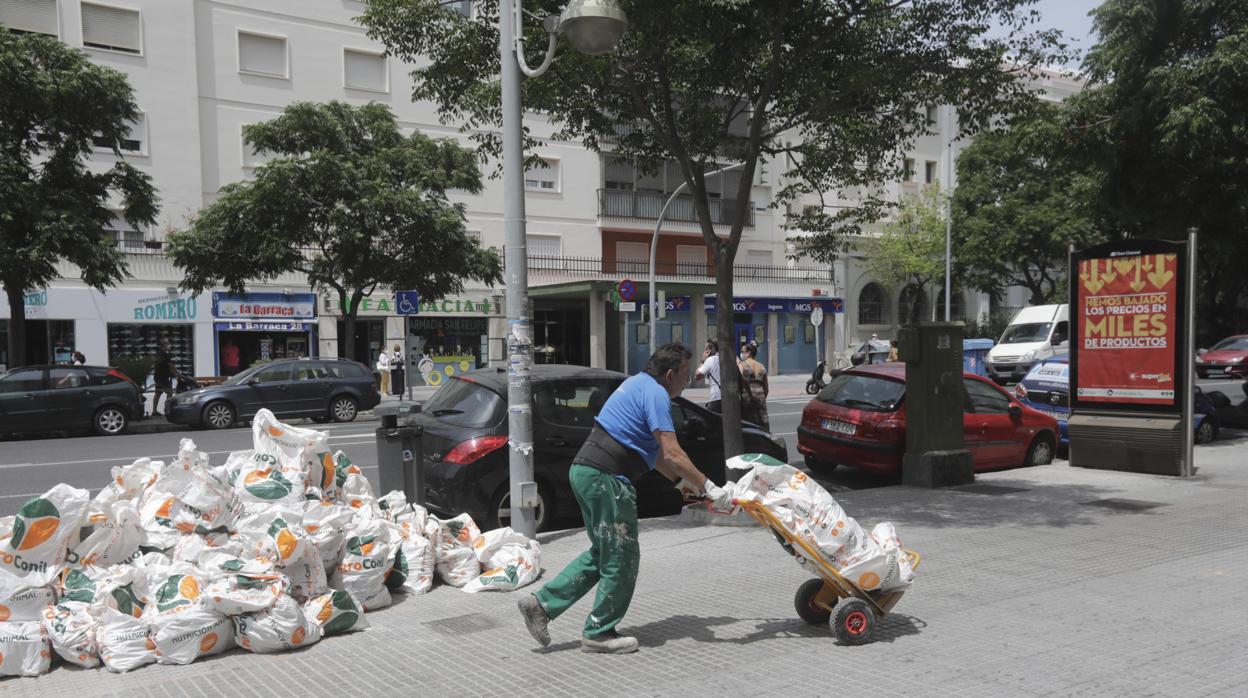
(754, 387)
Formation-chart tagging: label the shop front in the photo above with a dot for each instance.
(376, 325)
(780, 327)
(453, 335)
(259, 327)
(676, 325)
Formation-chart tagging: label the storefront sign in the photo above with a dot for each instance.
(166, 308)
(262, 326)
(779, 305)
(386, 305)
(37, 298)
(264, 305)
(416, 323)
(1127, 327)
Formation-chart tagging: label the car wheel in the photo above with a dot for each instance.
(853, 622)
(218, 415)
(804, 602)
(1041, 451)
(343, 409)
(818, 466)
(110, 421)
(500, 508)
(1206, 432)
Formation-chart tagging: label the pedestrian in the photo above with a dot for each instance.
(632, 435)
(754, 387)
(229, 357)
(397, 374)
(164, 372)
(710, 371)
(383, 369)
(892, 351)
(80, 359)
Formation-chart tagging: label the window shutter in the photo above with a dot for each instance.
(262, 54)
(37, 16)
(364, 71)
(112, 28)
(544, 245)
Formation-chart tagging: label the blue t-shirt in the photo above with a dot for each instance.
(637, 409)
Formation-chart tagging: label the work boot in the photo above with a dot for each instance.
(535, 619)
(609, 642)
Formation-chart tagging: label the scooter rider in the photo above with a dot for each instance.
(633, 435)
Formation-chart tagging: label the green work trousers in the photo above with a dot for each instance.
(609, 507)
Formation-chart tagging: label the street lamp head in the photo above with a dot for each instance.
(593, 27)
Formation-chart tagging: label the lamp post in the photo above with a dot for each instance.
(654, 246)
(592, 27)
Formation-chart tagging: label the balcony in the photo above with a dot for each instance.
(598, 268)
(644, 205)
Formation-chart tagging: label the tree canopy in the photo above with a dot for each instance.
(1019, 204)
(55, 204)
(1164, 125)
(834, 91)
(349, 201)
(910, 251)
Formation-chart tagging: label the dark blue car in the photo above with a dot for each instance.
(1046, 388)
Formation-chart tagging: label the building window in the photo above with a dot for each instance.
(908, 170)
(112, 28)
(931, 114)
(33, 16)
(872, 307)
(543, 178)
(957, 306)
(128, 238)
(251, 158)
(460, 7)
(365, 70)
(134, 141)
(544, 245)
(474, 235)
(911, 305)
(259, 54)
(929, 172)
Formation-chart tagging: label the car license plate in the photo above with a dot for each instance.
(838, 427)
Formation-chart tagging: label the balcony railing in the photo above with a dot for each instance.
(644, 205)
(595, 267)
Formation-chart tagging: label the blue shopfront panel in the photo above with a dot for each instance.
(795, 338)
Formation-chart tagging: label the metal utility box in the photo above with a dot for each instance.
(399, 451)
(936, 455)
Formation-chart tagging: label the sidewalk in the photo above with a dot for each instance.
(1041, 581)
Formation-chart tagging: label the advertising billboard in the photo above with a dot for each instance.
(1128, 326)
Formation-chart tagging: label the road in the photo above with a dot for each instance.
(30, 467)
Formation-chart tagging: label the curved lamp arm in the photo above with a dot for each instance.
(519, 43)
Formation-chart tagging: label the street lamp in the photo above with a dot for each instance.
(593, 27)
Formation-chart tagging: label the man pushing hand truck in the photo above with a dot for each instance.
(632, 435)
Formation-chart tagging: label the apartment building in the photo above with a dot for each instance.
(203, 69)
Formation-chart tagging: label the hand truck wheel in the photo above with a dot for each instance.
(804, 602)
(853, 622)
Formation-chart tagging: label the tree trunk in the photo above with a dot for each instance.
(729, 376)
(346, 340)
(17, 324)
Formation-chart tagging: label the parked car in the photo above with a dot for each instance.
(1046, 388)
(859, 420)
(1228, 357)
(465, 455)
(1036, 333)
(322, 389)
(67, 398)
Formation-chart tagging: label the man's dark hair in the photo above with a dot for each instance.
(750, 348)
(712, 345)
(666, 358)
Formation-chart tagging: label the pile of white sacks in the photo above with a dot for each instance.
(276, 548)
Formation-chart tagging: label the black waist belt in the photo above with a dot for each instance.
(602, 452)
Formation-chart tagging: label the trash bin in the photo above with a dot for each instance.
(399, 452)
(975, 356)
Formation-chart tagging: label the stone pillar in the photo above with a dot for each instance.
(697, 312)
(773, 346)
(597, 330)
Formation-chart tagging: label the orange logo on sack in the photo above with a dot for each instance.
(296, 638)
(286, 543)
(869, 580)
(36, 522)
(4, 613)
(275, 432)
(207, 642)
(150, 644)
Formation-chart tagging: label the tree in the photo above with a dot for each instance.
(910, 252)
(835, 89)
(351, 203)
(1163, 125)
(1020, 203)
(56, 107)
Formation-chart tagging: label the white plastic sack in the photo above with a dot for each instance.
(411, 570)
(325, 523)
(196, 632)
(365, 559)
(509, 560)
(355, 491)
(123, 588)
(43, 530)
(177, 591)
(129, 482)
(124, 641)
(71, 629)
(24, 649)
(301, 454)
(110, 537)
(335, 612)
(282, 627)
(24, 605)
(297, 557)
(457, 564)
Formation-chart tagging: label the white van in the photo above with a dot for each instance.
(1035, 334)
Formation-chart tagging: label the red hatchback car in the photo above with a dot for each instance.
(1226, 358)
(859, 420)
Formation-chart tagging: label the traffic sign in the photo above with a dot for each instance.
(816, 316)
(407, 302)
(628, 290)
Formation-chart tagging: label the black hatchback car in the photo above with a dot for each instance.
(67, 398)
(465, 457)
(321, 389)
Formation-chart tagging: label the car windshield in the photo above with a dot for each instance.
(1029, 332)
(1232, 344)
(465, 403)
(242, 377)
(863, 392)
